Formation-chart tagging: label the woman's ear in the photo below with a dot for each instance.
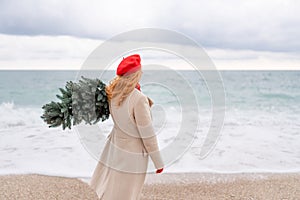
(150, 101)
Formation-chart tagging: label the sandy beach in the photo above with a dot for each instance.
(163, 186)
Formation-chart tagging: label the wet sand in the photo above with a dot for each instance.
(161, 186)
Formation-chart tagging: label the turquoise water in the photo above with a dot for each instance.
(267, 90)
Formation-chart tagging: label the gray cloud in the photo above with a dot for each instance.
(269, 25)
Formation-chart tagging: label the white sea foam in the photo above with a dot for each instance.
(250, 141)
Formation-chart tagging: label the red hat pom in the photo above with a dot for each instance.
(129, 65)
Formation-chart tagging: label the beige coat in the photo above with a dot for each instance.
(121, 170)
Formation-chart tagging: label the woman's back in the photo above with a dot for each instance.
(121, 170)
(123, 115)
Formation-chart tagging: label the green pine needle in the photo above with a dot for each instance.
(83, 101)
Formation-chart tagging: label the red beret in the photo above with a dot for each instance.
(129, 65)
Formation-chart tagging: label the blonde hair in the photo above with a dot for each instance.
(121, 86)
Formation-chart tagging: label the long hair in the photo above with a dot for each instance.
(120, 86)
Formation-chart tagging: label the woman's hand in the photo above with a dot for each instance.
(159, 170)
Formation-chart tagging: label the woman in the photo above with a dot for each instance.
(121, 171)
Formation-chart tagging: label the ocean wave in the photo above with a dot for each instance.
(246, 143)
(13, 115)
(16, 116)
(278, 96)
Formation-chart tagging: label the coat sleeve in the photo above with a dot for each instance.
(143, 120)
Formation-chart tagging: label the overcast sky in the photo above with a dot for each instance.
(235, 33)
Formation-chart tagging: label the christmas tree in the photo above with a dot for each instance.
(83, 101)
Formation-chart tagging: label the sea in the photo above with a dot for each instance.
(260, 130)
